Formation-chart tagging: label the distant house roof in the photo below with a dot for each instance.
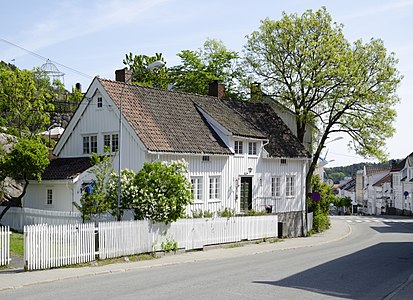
(375, 169)
(66, 168)
(169, 121)
(383, 180)
(400, 166)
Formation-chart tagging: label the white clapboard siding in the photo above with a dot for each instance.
(134, 237)
(48, 246)
(4, 245)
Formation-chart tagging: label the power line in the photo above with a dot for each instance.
(46, 59)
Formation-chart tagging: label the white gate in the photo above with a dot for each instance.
(48, 246)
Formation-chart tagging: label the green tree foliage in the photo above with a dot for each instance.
(27, 160)
(75, 96)
(306, 63)
(201, 67)
(336, 176)
(343, 202)
(321, 207)
(94, 200)
(159, 191)
(25, 98)
(338, 173)
(143, 75)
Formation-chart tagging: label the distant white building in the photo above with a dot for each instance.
(402, 186)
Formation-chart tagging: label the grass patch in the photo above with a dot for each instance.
(17, 243)
(236, 245)
(275, 240)
(117, 260)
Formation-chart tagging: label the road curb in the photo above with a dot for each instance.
(208, 256)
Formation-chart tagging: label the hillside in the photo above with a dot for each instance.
(338, 173)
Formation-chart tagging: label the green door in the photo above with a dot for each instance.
(246, 193)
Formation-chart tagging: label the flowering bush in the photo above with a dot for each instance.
(164, 191)
(158, 192)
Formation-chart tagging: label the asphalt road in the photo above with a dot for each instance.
(371, 263)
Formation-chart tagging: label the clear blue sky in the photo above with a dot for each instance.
(92, 37)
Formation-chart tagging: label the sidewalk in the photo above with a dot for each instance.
(11, 279)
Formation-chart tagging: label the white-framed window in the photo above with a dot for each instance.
(90, 144)
(238, 147)
(196, 188)
(252, 148)
(100, 102)
(49, 197)
(275, 187)
(111, 141)
(290, 185)
(283, 161)
(106, 141)
(205, 158)
(214, 188)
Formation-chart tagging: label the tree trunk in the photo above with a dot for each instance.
(15, 201)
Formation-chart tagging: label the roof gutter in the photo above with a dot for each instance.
(187, 153)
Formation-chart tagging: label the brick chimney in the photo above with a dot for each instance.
(123, 75)
(216, 89)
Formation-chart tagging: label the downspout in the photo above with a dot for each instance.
(304, 206)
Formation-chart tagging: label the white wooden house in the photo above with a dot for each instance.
(374, 182)
(402, 186)
(240, 155)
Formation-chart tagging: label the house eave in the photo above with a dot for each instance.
(188, 153)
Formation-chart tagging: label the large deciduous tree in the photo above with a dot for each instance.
(198, 68)
(144, 75)
(27, 160)
(201, 67)
(306, 63)
(25, 99)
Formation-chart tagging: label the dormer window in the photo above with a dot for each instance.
(100, 102)
(252, 148)
(238, 147)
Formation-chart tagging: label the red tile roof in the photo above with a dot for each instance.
(169, 121)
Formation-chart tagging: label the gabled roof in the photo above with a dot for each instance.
(169, 121)
(383, 180)
(400, 166)
(282, 142)
(66, 168)
(165, 121)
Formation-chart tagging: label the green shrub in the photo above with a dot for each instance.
(321, 222)
(199, 213)
(226, 213)
(253, 212)
(169, 245)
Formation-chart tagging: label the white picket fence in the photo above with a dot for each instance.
(49, 246)
(4, 245)
(18, 217)
(134, 237)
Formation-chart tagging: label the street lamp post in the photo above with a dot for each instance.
(150, 67)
